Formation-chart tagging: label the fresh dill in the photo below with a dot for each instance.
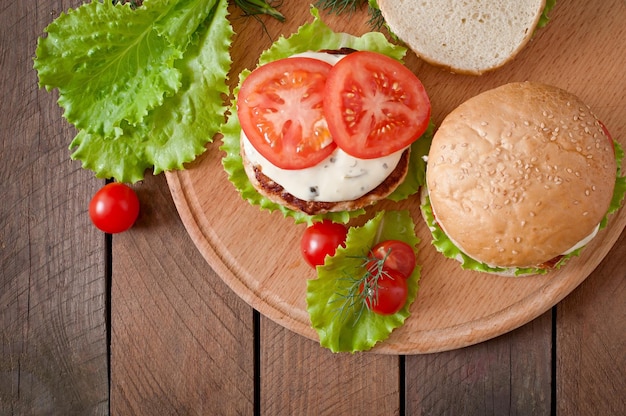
(375, 21)
(361, 292)
(340, 6)
(258, 7)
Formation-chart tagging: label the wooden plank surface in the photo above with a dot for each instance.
(53, 358)
(183, 343)
(591, 342)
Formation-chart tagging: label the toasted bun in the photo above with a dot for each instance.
(520, 174)
(463, 36)
(276, 193)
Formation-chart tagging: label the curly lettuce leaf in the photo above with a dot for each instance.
(309, 37)
(108, 64)
(345, 326)
(416, 176)
(544, 19)
(177, 131)
(619, 191)
(129, 118)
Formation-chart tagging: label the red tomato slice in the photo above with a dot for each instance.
(374, 105)
(280, 109)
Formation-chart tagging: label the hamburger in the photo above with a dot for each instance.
(468, 37)
(345, 179)
(519, 178)
(326, 125)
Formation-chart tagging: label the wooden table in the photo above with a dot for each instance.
(138, 323)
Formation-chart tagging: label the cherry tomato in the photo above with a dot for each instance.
(387, 294)
(114, 208)
(280, 111)
(374, 105)
(397, 255)
(320, 240)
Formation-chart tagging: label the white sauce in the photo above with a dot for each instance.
(584, 241)
(339, 177)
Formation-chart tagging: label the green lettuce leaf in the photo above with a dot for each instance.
(145, 88)
(416, 176)
(342, 324)
(309, 37)
(619, 191)
(445, 246)
(544, 19)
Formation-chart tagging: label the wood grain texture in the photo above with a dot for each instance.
(300, 378)
(456, 308)
(591, 343)
(182, 342)
(53, 357)
(508, 375)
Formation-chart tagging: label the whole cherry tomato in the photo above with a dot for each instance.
(320, 240)
(114, 208)
(385, 294)
(397, 255)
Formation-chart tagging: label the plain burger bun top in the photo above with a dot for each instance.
(520, 174)
(469, 37)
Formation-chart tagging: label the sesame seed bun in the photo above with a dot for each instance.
(520, 174)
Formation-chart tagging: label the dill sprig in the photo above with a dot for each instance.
(340, 6)
(375, 21)
(362, 291)
(257, 7)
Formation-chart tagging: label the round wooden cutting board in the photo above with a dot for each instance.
(257, 254)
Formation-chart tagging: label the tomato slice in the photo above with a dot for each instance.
(280, 109)
(374, 105)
